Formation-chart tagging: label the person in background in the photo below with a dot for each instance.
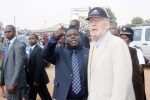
(70, 65)
(114, 31)
(85, 40)
(13, 72)
(37, 77)
(127, 35)
(110, 65)
(2, 52)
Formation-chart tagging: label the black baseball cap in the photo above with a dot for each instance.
(97, 12)
(127, 31)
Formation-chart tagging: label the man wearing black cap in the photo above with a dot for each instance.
(127, 35)
(110, 66)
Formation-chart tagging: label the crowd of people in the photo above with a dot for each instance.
(106, 67)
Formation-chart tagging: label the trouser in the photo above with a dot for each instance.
(17, 95)
(41, 90)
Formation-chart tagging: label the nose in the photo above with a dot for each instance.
(72, 35)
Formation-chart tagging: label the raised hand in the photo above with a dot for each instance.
(59, 33)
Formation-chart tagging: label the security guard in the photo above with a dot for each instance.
(138, 84)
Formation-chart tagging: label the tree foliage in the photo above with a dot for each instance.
(137, 20)
(147, 21)
(112, 17)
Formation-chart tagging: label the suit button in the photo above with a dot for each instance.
(71, 75)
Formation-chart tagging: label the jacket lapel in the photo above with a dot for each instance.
(67, 54)
(85, 60)
(32, 52)
(9, 50)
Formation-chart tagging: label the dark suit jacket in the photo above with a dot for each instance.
(36, 67)
(137, 77)
(61, 57)
(85, 40)
(13, 71)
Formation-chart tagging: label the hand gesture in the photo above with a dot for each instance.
(10, 89)
(59, 33)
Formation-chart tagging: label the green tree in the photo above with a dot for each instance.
(137, 20)
(147, 21)
(112, 17)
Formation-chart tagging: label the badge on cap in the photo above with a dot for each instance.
(95, 12)
(124, 28)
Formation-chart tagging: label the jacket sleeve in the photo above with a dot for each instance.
(122, 88)
(49, 51)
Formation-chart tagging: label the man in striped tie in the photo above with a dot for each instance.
(70, 65)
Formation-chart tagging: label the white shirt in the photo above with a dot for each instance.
(32, 47)
(139, 54)
(12, 41)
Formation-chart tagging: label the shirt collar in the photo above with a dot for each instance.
(76, 50)
(32, 47)
(11, 41)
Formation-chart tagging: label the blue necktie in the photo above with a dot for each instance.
(30, 51)
(76, 84)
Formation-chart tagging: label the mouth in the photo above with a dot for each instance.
(73, 41)
(94, 30)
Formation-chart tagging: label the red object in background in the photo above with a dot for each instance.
(45, 38)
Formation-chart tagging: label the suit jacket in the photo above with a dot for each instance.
(36, 67)
(110, 78)
(137, 77)
(85, 40)
(13, 71)
(61, 57)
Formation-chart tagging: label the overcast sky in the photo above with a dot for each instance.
(38, 14)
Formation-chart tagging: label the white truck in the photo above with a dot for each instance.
(142, 39)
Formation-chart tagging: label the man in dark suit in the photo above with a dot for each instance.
(127, 35)
(37, 77)
(13, 72)
(70, 65)
(85, 40)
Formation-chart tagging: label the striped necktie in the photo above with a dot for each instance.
(76, 83)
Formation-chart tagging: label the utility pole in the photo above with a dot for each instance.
(45, 22)
(14, 19)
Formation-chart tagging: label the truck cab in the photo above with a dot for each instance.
(141, 39)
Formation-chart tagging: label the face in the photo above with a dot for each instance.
(61, 40)
(125, 38)
(72, 38)
(75, 24)
(114, 32)
(9, 32)
(98, 27)
(32, 40)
